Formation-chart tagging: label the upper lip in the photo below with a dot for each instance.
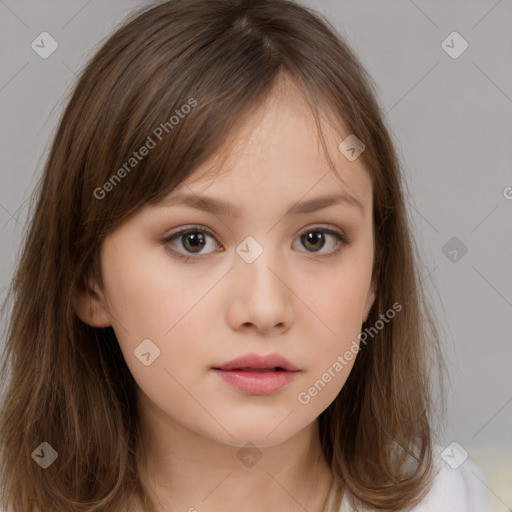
(258, 361)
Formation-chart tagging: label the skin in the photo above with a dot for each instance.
(290, 300)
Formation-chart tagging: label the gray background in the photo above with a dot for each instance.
(451, 120)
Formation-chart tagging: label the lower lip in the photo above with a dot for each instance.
(256, 383)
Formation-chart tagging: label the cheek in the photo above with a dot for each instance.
(149, 295)
(152, 299)
(333, 321)
(334, 304)
(334, 350)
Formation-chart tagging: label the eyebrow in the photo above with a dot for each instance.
(219, 207)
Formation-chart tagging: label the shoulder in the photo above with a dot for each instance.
(461, 488)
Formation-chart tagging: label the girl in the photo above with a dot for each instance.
(218, 304)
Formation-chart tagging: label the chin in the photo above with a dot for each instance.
(263, 435)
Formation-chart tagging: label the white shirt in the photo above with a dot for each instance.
(454, 490)
(462, 489)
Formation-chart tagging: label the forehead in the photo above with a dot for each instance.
(277, 152)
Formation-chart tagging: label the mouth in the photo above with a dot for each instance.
(254, 370)
(257, 381)
(256, 363)
(258, 374)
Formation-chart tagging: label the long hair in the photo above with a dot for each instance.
(67, 383)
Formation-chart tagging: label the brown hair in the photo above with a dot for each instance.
(69, 385)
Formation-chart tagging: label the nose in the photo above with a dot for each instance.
(262, 296)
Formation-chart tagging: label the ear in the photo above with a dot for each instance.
(90, 305)
(370, 299)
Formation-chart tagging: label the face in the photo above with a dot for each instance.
(265, 281)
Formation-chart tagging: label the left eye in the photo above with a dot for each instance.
(194, 239)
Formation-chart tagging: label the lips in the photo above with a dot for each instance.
(259, 363)
(258, 375)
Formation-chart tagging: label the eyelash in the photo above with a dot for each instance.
(342, 239)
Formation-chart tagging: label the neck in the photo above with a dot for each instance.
(184, 470)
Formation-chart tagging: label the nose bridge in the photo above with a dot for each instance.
(258, 263)
(262, 295)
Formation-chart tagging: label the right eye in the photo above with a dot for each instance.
(192, 239)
